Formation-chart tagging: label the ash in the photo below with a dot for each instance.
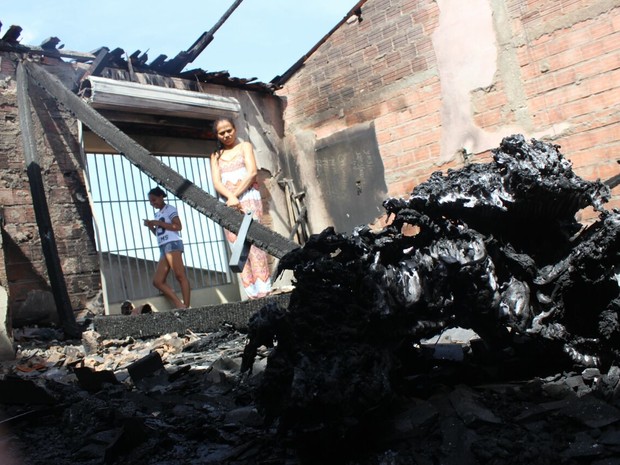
(479, 327)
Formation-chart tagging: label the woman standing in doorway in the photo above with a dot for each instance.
(233, 167)
(167, 227)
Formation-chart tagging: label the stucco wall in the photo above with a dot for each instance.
(443, 79)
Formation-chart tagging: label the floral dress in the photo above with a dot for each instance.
(255, 276)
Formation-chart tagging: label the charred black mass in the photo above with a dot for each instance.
(496, 248)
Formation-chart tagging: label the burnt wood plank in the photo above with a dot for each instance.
(12, 34)
(18, 48)
(158, 62)
(613, 181)
(39, 201)
(98, 64)
(258, 235)
(50, 43)
(179, 62)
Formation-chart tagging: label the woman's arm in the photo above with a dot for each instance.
(217, 178)
(176, 225)
(231, 198)
(250, 166)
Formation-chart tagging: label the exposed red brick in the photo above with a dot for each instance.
(568, 75)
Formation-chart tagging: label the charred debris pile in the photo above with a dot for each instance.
(496, 249)
(349, 372)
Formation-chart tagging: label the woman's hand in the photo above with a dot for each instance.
(233, 202)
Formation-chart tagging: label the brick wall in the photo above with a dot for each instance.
(553, 74)
(572, 78)
(24, 267)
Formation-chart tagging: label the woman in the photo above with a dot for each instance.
(233, 167)
(167, 227)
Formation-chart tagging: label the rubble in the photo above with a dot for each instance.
(498, 250)
(129, 398)
(487, 337)
(204, 410)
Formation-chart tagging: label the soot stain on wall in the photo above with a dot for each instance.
(349, 171)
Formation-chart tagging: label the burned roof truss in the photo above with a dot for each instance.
(137, 61)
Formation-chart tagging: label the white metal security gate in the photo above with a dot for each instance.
(129, 253)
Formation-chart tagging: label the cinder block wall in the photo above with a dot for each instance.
(441, 79)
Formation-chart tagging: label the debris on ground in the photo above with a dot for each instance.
(489, 336)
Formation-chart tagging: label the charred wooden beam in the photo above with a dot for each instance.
(39, 200)
(614, 180)
(98, 64)
(16, 47)
(134, 61)
(142, 59)
(280, 80)
(179, 62)
(116, 57)
(50, 43)
(158, 62)
(132, 74)
(259, 235)
(12, 34)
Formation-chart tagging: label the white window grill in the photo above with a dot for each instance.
(128, 251)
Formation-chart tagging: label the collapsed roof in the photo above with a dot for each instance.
(138, 61)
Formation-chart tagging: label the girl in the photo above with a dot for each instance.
(167, 226)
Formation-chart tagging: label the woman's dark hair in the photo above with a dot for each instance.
(221, 119)
(157, 192)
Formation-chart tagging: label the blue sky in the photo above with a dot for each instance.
(262, 38)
